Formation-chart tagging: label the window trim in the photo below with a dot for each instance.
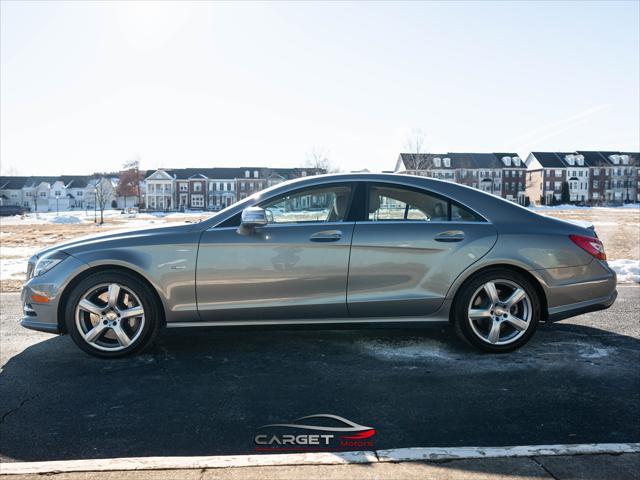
(365, 217)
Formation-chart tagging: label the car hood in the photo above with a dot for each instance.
(99, 238)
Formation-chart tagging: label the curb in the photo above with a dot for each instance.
(320, 458)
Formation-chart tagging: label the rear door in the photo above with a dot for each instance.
(409, 249)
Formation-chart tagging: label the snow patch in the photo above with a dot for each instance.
(594, 352)
(628, 270)
(406, 349)
(66, 219)
(13, 268)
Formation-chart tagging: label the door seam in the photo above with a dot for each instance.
(346, 291)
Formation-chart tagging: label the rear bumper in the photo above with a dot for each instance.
(572, 310)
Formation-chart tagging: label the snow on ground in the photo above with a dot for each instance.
(628, 270)
(13, 268)
(66, 219)
(81, 216)
(567, 206)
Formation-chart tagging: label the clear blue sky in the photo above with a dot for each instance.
(87, 86)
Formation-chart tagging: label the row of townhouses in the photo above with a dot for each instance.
(584, 177)
(163, 189)
(41, 194)
(211, 188)
(502, 174)
(545, 178)
(594, 178)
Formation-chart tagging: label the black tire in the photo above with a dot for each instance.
(145, 335)
(460, 310)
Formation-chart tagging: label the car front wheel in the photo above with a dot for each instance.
(497, 311)
(112, 314)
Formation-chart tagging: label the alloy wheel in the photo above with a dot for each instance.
(500, 312)
(110, 317)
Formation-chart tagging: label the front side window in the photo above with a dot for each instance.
(319, 204)
(387, 203)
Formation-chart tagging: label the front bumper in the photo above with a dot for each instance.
(43, 315)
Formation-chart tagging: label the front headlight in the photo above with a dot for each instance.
(47, 262)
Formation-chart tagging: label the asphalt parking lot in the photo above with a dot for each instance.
(205, 392)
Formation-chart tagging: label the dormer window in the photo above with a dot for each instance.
(506, 161)
(580, 159)
(516, 161)
(624, 159)
(570, 159)
(447, 162)
(247, 174)
(437, 162)
(615, 159)
(255, 174)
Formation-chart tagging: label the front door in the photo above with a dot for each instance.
(294, 267)
(409, 250)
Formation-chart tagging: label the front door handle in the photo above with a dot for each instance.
(450, 236)
(326, 236)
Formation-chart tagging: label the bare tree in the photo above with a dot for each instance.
(102, 193)
(415, 146)
(318, 159)
(129, 181)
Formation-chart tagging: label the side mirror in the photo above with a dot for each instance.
(252, 217)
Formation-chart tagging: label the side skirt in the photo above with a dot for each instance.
(314, 321)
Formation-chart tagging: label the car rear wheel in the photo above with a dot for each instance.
(112, 314)
(497, 311)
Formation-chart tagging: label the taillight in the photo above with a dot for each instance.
(591, 245)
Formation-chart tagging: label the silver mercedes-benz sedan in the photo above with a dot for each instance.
(356, 249)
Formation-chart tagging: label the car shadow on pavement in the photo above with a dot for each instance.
(205, 392)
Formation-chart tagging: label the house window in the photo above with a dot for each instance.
(57, 193)
(43, 194)
(197, 201)
(242, 185)
(557, 185)
(558, 173)
(197, 187)
(229, 187)
(595, 184)
(79, 194)
(596, 172)
(184, 187)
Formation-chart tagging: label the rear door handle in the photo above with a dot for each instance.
(326, 236)
(450, 236)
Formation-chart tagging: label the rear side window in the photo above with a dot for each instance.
(461, 214)
(391, 203)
